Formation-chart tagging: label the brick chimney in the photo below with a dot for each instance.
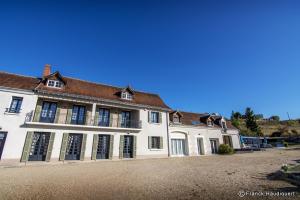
(47, 70)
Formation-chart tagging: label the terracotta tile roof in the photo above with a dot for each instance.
(17, 81)
(189, 118)
(80, 87)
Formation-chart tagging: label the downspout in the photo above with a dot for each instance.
(168, 134)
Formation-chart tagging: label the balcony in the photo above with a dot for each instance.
(70, 116)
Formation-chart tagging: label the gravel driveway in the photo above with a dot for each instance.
(207, 177)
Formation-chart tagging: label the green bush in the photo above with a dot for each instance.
(225, 149)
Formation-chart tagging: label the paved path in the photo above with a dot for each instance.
(208, 177)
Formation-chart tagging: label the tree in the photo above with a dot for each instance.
(275, 118)
(236, 115)
(251, 121)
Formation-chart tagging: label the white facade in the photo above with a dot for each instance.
(191, 134)
(16, 128)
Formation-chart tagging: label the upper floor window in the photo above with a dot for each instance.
(54, 83)
(48, 112)
(15, 105)
(78, 115)
(154, 117)
(126, 95)
(224, 125)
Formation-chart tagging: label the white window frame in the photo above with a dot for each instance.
(56, 84)
(152, 118)
(126, 95)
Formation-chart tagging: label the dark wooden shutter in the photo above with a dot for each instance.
(111, 146)
(134, 146)
(63, 148)
(121, 146)
(50, 147)
(149, 116)
(96, 120)
(57, 112)
(161, 143)
(95, 146)
(160, 117)
(27, 146)
(69, 115)
(83, 145)
(38, 110)
(149, 142)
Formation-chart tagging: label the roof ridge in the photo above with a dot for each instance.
(104, 84)
(191, 112)
(26, 76)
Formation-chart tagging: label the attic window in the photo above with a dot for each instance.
(126, 95)
(224, 125)
(54, 84)
(209, 123)
(176, 119)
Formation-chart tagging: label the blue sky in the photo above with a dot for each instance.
(201, 56)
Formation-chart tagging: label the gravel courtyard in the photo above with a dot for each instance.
(208, 177)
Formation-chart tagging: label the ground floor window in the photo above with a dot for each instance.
(2, 142)
(227, 140)
(103, 147)
(214, 143)
(200, 146)
(178, 147)
(128, 147)
(155, 142)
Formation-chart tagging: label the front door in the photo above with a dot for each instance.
(39, 146)
(2, 142)
(128, 147)
(214, 147)
(74, 147)
(103, 147)
(178, 147)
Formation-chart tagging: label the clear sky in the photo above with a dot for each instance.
(201, 56)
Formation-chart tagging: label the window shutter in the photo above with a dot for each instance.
(57, 112)
(69, 115)
(38, 111)
(27, 147)
(50, 147)
(111, 147)
(96, 118)
(134, 146)
(159, 117)
(121, 146)
(161, 143)
(149, 142)
(82, 153)
(63, 148)
(110, 119)
(95, 146)
(149, 116)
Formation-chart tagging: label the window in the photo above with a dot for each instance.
(78, 115)
(154, 117)
(176, 119)
(209, 123)
(195, 122)
(54, 84)
(224, 125)
(103, 117)
(48, 112)
(126, 95)
(15, 105)
(155, 142)
(125, 119)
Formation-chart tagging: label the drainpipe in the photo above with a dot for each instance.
(168, 134)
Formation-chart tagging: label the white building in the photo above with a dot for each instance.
(192, 134)
(57, 118)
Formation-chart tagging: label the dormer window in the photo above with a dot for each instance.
(224, 126)
(209, 122)
(126, 95)
(176, 119)
(54, 84)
